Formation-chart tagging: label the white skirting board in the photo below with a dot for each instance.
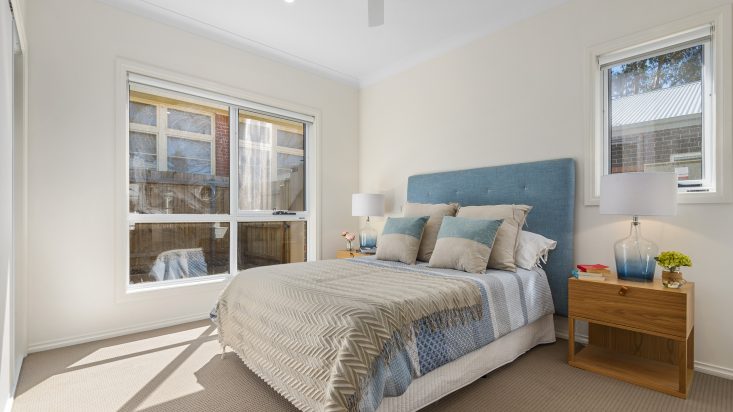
(112, 333)
(561, 331)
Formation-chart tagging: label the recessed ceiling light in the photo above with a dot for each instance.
(289, 1)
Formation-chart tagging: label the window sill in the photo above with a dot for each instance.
(682, 198)
(173, 288)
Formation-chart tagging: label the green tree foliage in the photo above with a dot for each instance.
(658, 72)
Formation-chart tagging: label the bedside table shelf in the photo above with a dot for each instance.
(642, 333)
(657, 375)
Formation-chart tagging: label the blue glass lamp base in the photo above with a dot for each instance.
(634, 270)
(368, 238)
(635, 256)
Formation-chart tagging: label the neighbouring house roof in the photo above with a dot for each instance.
(658, 104)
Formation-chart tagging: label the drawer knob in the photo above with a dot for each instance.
(623, 290)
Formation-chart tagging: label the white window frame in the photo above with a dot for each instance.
(717, 102)
(685, 40)
(236, 99)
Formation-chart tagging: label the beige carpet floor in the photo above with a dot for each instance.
(180, 369)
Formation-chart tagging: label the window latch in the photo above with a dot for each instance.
(282, 212)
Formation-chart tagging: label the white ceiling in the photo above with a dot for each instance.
(332, 36)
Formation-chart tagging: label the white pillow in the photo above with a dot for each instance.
(532, 249)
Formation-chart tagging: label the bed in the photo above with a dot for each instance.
(366, 335)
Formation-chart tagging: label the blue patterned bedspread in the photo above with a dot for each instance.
(509, 300)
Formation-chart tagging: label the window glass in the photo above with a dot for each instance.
(255, 131)
(189, 122)
(270, 176)
(143, 153)
(142, 113)
(290, 139)
(171, 251)
(656, 115)
(270, 243)
(189, 156)
(291, 175)
(172, 174)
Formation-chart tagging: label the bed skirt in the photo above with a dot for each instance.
(470, 367)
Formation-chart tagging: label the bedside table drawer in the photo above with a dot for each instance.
(643, 308)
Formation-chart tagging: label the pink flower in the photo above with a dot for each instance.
(350, 237)
(344, 233)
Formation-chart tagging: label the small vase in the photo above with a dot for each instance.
(668, 276)
(348, 245)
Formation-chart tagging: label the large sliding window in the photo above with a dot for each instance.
(216, 185)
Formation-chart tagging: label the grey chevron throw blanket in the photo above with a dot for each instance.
(315, 331)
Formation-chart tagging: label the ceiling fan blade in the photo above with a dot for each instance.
(376, 13)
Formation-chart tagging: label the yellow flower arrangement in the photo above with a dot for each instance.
(672, 260)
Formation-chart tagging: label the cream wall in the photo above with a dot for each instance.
(516, 96)
(74, 45)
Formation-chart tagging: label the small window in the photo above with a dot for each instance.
(657, 109)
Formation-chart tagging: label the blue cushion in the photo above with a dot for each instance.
(479, 230)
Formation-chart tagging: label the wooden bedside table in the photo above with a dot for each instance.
(348, 254)
(642, 333)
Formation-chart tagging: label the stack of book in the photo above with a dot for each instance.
(593, 272)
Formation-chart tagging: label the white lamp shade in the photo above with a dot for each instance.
(367, 204)
(639, 194)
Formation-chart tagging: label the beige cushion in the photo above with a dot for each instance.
(400, 239)
(464, 244)
(430, 235)
(505, 245)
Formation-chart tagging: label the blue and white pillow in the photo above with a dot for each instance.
(464, 244)
(400, 239)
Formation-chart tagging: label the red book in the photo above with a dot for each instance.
(596, 267)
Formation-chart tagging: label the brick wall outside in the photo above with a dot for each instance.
(222, 145)
(629, 153)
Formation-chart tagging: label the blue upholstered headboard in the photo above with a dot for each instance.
(548, 186)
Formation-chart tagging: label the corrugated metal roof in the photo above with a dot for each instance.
(658, 104)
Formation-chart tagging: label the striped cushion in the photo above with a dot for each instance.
(464, 244)
(400, 239)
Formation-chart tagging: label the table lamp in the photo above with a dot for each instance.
(367, 204)
(638, 194)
